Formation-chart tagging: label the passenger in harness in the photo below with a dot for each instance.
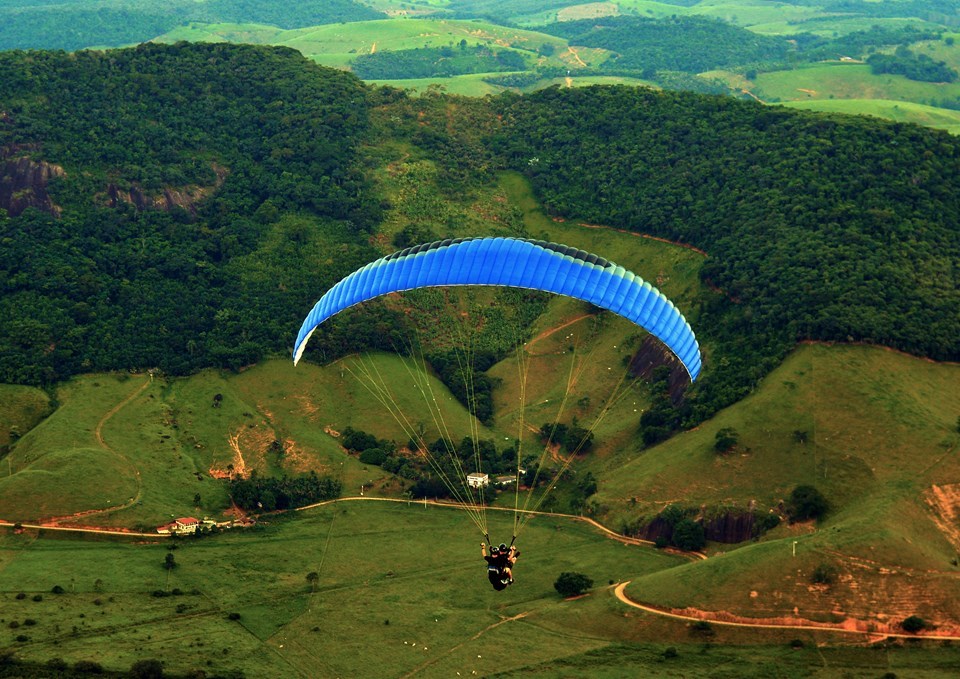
(500, 564)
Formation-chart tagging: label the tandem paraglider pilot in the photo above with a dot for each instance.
(500, 564)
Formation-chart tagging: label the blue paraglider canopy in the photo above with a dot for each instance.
(519, 263)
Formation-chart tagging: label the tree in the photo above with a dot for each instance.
(688, 535)
(196, 499)
(806, 502)
(147, 669)
(572, 584)
(169, 562)
(312, 578)
(725, 439)
(913, 624)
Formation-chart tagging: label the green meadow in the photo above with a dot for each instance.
(400, 590)
(898, 111)
(846, 81)
(337, 44)
(880, 441)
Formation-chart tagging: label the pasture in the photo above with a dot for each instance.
(846, 81)
(400, 591)
(897, 111)
(879, 441)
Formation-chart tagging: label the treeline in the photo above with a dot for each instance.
(436, 62)
(264, 136)
(75, 24)
(913, 66)
(814, 47)
(689, 44)
(818, 227)
(267, 493)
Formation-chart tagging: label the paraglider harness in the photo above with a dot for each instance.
(497, 564)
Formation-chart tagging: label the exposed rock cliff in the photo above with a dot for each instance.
(184, 197)
(23, 182)
(652, 354)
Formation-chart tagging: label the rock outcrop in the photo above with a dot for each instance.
(23, 182)
(184, 197)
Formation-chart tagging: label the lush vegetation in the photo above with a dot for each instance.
(267, 494)
(913, 66)
(436, 62)
(690, 44)
(264, 140)
(75, 24)
(817, 228)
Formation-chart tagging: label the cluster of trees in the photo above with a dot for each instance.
(450, 457)
(75, 24)
(267, 494)
(913, 66)
(817, 227)
(572, 438)
(220, 283)
(677, 43)
(436, 62)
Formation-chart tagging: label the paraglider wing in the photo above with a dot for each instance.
(518, 263)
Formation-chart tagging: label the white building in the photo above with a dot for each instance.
(478, 480)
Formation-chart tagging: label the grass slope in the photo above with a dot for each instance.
(846, 81)
(337, 44)
(379, 602)
(21, 408)
(898, 111)
(882, 433)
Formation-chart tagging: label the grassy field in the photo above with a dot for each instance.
(378, 602)
(881, 439)
(846, 81)
(380, 607)
(337, 44)
(898, 111)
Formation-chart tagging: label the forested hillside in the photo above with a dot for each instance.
(690, 44)
(75, 24)
(817, 227)
(210, 191)
(260, 138)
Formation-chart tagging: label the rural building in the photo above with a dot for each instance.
(186, 525)
(506, 480)
(478, 480)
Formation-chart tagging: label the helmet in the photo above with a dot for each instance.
(494, 551)
(503, 547)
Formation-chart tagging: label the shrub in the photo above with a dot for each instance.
(806, 502)
(572, 584)
(21, 595)
(147, 669)
(796, 643)
(38, 597)
(725, 439)
(913, 624)
(57, 589)
(374, 456)
(233, 616)
(88, 666)
(688, 535)
(823, 574)
(670, 652)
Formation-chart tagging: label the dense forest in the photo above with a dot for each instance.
(436, 62)
(913, 66)
(75, 24)
(691, 44)
(109, 285)
(817, 226)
